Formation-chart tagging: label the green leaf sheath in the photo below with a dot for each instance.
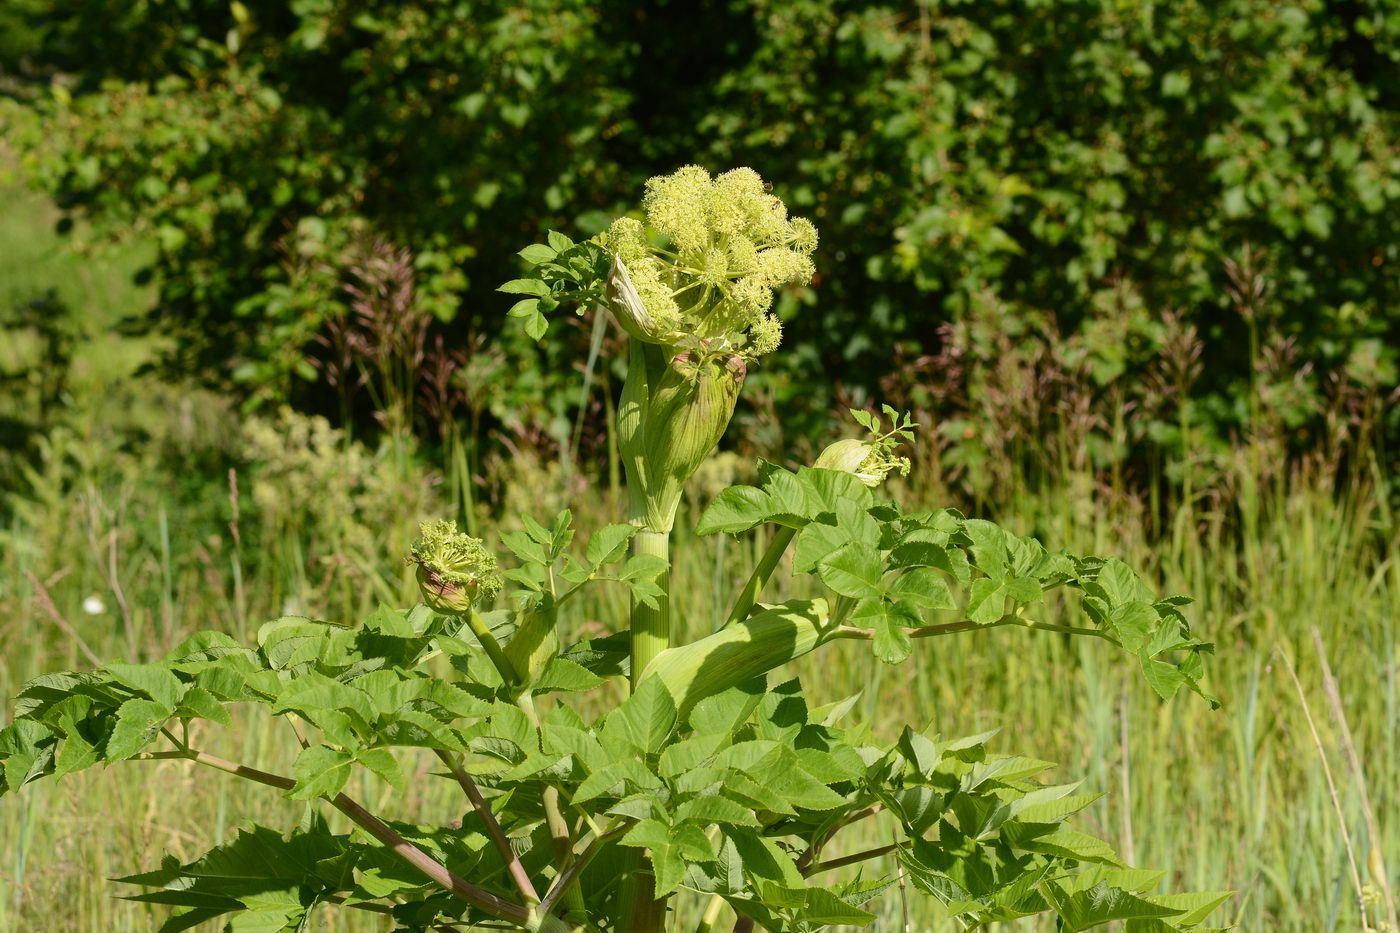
(747, 649)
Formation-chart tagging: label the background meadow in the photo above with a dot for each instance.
(1133, 269)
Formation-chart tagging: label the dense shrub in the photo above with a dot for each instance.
(1077, 169)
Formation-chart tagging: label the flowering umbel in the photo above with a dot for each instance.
(455, 571)
(693, 287)
(699, 311)
(730, 244)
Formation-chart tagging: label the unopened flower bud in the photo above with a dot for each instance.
(668, 431)
(455, 571)
(845, 456)
(626, 239)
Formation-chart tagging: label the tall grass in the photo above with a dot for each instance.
(1234, 798)
(1230, 799)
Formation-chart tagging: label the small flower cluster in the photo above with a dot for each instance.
(455, 570)
(732, 243)
(871, 460)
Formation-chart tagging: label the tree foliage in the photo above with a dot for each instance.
(1085, 165)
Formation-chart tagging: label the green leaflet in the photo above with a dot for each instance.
(152, 680)
(259, 880)
(138, 724)
(1099, 905)
(320, 771)
(854, 570)
(901, 566)
(642, 723)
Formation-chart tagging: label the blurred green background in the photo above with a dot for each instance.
(1134, 266)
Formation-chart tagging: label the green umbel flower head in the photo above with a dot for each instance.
(871, 460)
(861, 458)
(731, 243)
(455, 570)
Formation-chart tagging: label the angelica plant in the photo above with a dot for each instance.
(709, 777)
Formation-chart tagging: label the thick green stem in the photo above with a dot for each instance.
(759, 578)
(574, 907)
(651, 627)
(640, 911)
(710, 919)
(651, 635)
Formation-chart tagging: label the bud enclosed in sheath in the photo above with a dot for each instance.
(628, 307)
(755, 646)
(673, 413)
(869, 462)
(455, 571)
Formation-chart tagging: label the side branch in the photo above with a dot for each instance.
(804, 862)
(570, 875)
(922, 631)
(492, 648)
(493, 828)
(851, 859)
(759, 578)
(437, 873)
(952, 628)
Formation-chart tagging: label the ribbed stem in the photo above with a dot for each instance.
(640, 912)
(651, 627)
(651, 635)
(769, 562)
(574, 906)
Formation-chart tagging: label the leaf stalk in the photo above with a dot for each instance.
(493, 827)
(429, 867)
(748, 597)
